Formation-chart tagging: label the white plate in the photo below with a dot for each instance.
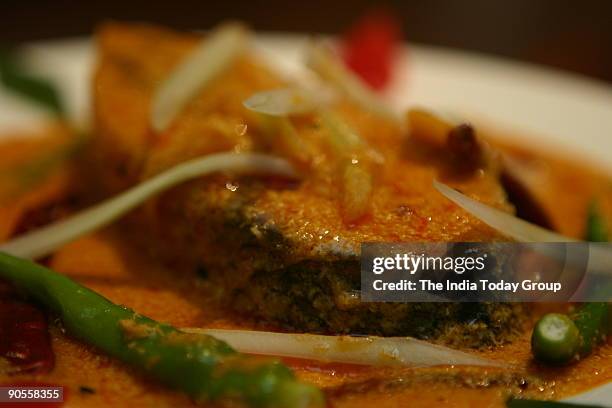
(540, 106)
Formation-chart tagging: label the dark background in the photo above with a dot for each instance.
(573, 35)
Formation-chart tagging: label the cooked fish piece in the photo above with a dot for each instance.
(279, 250)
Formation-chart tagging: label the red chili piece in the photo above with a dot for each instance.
(370, 47)
(24, 335)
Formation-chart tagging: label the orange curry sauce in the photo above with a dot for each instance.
(114, 266)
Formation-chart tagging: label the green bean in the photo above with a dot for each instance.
(199, 365)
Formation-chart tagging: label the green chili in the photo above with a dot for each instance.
(596, 230)
(199, 365)
(15, 78)
(555, 339)
(559, 338)
(591, 319)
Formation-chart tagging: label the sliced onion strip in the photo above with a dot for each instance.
(369, 350)
(281, 102)
(357, 164)
(357, 189)
(322, 60)
(341, 136)
(508, 224)
(44, 241)
(280, 135)
(215, 53)
(600, 254)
